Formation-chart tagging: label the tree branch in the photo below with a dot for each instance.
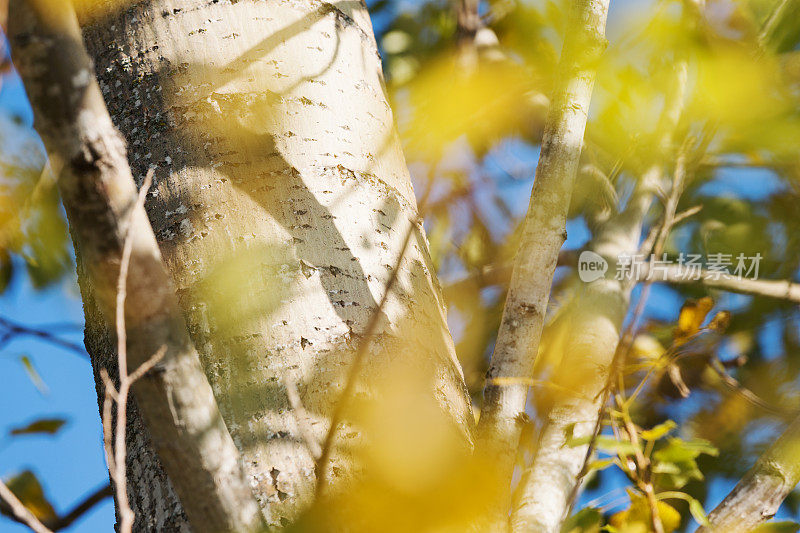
(75, 513)
(99, 196)
(588, 360)
(761, 491)
(13, 329)
(83, 507)
(780, 289)
(544, 233)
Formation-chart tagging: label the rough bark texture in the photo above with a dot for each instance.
(281, 201)
(759, 494)
(501, 419)
(99, 196)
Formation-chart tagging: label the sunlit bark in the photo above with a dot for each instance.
(501, 419)
(280, 205)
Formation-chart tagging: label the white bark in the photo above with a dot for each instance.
(517, 343)
(769, 288)
(99, 196)
(761, 491)
(281, 203)
(594, 319)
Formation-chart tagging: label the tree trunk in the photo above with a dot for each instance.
(281, 203)
(594, 319)
(99, 196)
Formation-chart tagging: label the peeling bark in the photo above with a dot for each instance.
(99, 195)
(520, 331)
(281, 203)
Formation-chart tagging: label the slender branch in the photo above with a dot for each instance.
(544, 233)
(83, 507)
(642, 468)
(321, 466)
(302, 418)
(66, 520)
(20, 511)
(592, 354)
(42, 334)
(120, 482)
(779, 289)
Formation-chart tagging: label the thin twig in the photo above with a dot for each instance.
(77, 511)
(118, 472)
(14, 328)
(145, 367)
(302, 418)
(20, 511)
(642, 467)
(80, 509)
(361, 352)
(108, 423)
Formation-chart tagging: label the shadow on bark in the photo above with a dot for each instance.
(275, 275)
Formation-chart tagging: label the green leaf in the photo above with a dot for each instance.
(699, 514)
(586, 520)
(600, 464)
(28, 490)
(659, 431)
(666, 468)
(49, 426)
(701, 446)
(679, 450)
(675, 462)
(34, 376)
(695, 507)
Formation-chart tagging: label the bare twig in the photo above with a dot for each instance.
(20, 511)
(80, 509)
(118, 472)
(340, 408)
(768, 288)
(643, 471)
(302, 418)
(14, 329)
(66, 520)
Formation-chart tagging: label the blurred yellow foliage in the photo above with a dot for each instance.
(636, 518)
(483, 105)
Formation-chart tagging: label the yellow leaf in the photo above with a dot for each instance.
(647, 347)
(691, 317)
(29, 491)
(637, 518)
